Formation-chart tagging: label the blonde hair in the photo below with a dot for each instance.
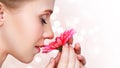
(13, 3)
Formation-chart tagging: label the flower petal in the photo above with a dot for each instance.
(59, 41)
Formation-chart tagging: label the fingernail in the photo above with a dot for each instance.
(71, 45)
(66, 45)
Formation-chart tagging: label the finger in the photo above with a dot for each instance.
(77, 48)
(81, 59)
(82, 66)
(72, 57)
(51, 63)
(57, 58)
(70, 41)
(64, 57)
(77, 64)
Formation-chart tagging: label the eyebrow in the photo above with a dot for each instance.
(49, 10)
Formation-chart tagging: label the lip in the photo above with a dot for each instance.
(39, 45)
(37, 48)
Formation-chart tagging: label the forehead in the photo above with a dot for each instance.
(44, 4)
(39, 5)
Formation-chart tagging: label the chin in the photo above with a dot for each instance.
(26, 61)
(24, 57)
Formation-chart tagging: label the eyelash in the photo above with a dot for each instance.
(43, 21)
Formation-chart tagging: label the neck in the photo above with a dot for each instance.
(3, 51)
(3, 55)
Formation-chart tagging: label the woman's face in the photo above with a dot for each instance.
(26, 28)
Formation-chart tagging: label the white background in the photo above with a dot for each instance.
(98, 31)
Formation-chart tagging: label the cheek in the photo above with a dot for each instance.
(22, 33)
(31, 30)
(20, 36)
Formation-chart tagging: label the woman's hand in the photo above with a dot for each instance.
(78, 52)
(69, 58)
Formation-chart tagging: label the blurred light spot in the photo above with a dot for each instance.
(95, 51)
(38, 59)
(53, 17)
(60, 30)
(56, 10)
(79, 38)
(68, 23)
(83, 32)
(86, 13)
(76, 20)
(72, 21)
(56, 24)
(56, 27)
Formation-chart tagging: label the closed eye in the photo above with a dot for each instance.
(43, 21)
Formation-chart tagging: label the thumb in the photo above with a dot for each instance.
(51, 64)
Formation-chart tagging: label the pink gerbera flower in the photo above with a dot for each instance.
(59, 41)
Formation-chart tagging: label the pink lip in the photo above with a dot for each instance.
(38, 48)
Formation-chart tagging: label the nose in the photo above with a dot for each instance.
(48, 33)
